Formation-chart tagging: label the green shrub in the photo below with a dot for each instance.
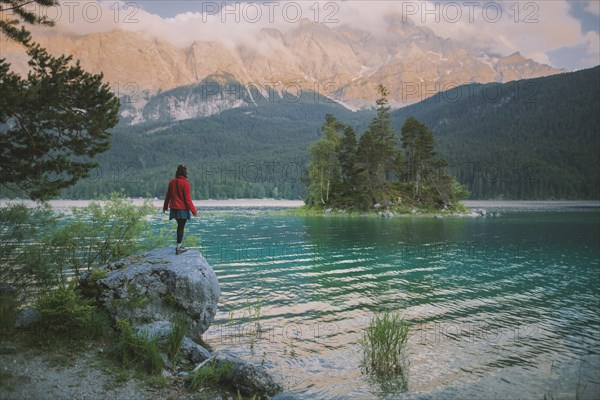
(384, 342)
(210, 375)
(101, 233)
(25, 262)
(64, 313)
(41, 249)
(90, 289)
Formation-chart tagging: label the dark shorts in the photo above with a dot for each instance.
(179, 214)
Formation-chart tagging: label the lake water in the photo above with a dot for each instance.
(500, 307)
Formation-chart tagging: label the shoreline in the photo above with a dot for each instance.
(237, 203)
(292, 204)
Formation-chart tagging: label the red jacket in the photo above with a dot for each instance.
(178, 195)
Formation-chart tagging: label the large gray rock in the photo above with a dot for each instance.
(158, 285)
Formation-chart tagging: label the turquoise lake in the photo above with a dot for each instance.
(502, 307)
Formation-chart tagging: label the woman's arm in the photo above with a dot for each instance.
(167, 198)
(188, 199)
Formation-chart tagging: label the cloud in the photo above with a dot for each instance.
(593, 7)
(592, 55)
(527, 27)
(533, 28)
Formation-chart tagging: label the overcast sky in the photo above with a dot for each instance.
(564, 34)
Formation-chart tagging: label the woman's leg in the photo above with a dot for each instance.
(180, 228)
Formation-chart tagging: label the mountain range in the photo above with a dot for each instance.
(159, 80)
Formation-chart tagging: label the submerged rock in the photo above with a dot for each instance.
(386, 214)
(479, 212)
(154, 287)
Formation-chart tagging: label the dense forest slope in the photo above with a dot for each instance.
(528, 139)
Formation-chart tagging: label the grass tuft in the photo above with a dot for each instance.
(384, 343)
(209, 375)
(175, 339)
(132, 348)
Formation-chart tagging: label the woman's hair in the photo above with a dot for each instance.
(181, 171)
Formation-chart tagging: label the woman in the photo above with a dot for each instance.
(179, 200)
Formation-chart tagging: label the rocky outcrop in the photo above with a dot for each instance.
(153, 291)
(157, 286)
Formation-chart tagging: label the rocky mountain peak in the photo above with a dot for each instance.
(343, 62)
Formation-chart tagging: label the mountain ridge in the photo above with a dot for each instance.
(342, 62)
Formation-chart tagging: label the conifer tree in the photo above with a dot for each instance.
(53, 122)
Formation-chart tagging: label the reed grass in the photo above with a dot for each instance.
(384, 344)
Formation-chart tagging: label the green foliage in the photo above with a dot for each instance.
(64, 313)
(90, 290)
(384, 343)
(377, 150)
(324, 167)
(37, 252)
(22, 12)
(27, 262)
(55, 120)
(8, 312)
(101, 233)
(170, 300)
(210, 375)
(133, 349)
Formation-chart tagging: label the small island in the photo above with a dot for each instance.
(378, 172)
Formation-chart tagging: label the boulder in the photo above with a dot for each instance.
(27, 318)
(157, 286)
(160, 330)
(248, 378)
(193, 351)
